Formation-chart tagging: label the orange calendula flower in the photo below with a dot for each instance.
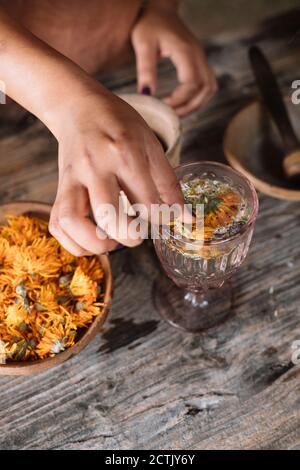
(23, 229)
(83, 286)
(86, 314)
(67, 259)
(45, 298)
(4, 249)
(223, 208)
(223, 211)
(38, 258)
(47, 295)
(54, 341)
(16, 314)
(91, 267)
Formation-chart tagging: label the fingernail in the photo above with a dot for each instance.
(146, 91)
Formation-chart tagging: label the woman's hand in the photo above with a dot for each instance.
(105, 146)
(160, 33)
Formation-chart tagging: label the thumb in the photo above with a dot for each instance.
(146, 67)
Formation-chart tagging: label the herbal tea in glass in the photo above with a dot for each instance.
(200, 261)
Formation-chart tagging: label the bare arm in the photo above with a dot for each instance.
(35, 75)
(104, 145)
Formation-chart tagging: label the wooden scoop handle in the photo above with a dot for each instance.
(273, 100)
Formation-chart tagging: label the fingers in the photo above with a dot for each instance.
(166, 181)
(197, 81)
(69, 223)
(187, 74)
(138, 185)
(150, 180)
(182, 94)
(109, 212)
(163, 176)
(201, 99)
(146, 66)
(69, 244)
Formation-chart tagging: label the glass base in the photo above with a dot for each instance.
(191, 311)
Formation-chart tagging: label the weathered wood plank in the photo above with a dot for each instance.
(143, 384)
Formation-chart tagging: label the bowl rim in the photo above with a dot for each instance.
(148, 100)
(40, 365)
(267, 188)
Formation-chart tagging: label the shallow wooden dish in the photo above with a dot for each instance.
(27, 368)
(253, 146)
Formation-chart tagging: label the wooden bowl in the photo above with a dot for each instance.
(252, 145)
(27, 368)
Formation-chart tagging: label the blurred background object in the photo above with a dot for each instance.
(206, 18)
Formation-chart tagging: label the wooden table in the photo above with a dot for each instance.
(142, 384)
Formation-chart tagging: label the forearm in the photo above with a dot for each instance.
(38, 77)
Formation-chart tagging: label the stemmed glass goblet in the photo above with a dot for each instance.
(197, 294)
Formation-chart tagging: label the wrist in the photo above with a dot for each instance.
(59, 109)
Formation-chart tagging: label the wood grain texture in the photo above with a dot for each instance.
(142, 384)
